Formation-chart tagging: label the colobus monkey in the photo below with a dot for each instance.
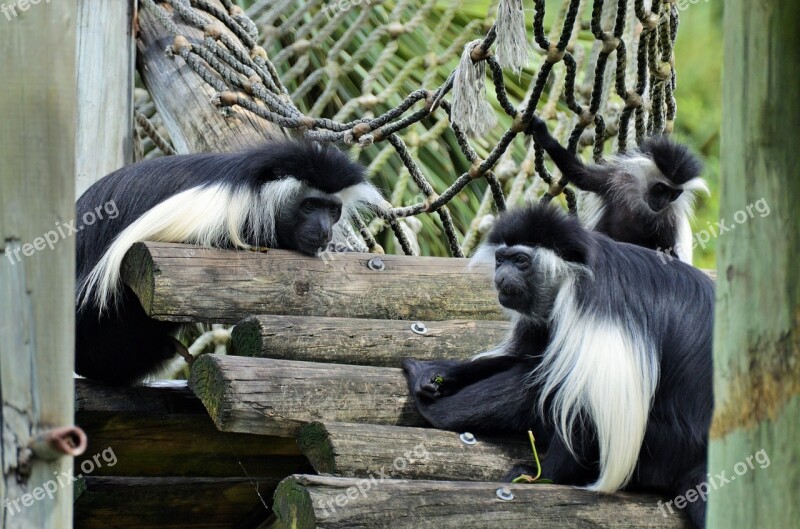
(292, 195)
(609, 359)
(643, 197)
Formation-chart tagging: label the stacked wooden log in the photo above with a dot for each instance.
(314, 394)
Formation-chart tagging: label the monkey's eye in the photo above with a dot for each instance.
(335, 210)
(308, 206)
(521, 261)
(660, 189)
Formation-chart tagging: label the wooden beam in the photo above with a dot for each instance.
(162, 429)
(278, 397)
(106, 62)
(37, 286)
(756, 422)
(382, 343)
(186, 283)
(360, 450)
(183, 99)
(155, 503)
(321, 502)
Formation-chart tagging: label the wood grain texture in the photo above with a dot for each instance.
(321, 502)
(183, 98)
(186, 283)
(382, 343)
(37, 189)
(757, 318)
(278, 397)
(107, 64)
(162, 429)
(361, 450)
(156, 503)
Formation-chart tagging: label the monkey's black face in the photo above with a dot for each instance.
(512, 278)
(307, 226)
(661, 195)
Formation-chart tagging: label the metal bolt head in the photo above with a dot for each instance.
(376, 263)
(504, 493)
(419, 328)
(467, 438)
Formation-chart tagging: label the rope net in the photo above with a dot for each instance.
(431, 95)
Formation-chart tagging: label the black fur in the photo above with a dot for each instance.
(672, 303)
(651, 224)
(123, 344)
(546, 227)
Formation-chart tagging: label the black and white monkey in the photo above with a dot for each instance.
(608, 361)
(645, 196)
(291, 195)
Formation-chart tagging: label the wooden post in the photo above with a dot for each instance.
(106, 68)
(37, 264)
(183, 98)
(754, 436)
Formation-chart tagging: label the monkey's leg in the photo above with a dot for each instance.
(558, 465)
(695, 479)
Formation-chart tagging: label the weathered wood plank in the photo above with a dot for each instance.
(183, 98)
(106, 62)
(381, 343)
(186, 283)
(145, 503)
(278, 397)
(333, 503)
(363, 450)
(37, 187)
(162, 429)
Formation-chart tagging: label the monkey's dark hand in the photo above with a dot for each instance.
(537, 128)
(427, 380)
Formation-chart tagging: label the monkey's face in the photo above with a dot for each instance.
(661, 195)
(527, 279)
(307, 225)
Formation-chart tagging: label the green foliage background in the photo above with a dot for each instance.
(698, 59)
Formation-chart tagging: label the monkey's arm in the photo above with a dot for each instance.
(500, 400)
(588, 178)
(438, 378)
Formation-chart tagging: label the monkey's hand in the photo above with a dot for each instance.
(428, 380)
(537, 128)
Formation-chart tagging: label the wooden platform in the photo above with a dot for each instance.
(310, 423)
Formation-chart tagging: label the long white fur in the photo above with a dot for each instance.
(597, 370)
(603, 371)
(210, 215)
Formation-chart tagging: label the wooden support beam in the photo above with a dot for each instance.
(360, 450)
(162, 429)
(38, 112)
(381, 343)
(106, 62)
(155, 503)
(186, 283)
(321, 502)
(278, 397)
